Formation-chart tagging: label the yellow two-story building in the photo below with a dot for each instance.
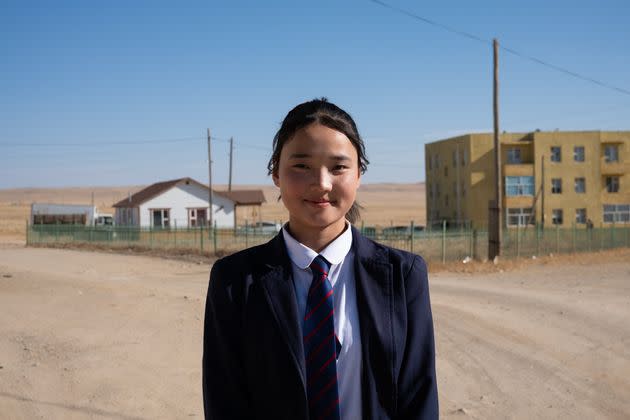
(552, 178)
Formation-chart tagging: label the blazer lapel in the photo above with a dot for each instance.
(280, 293)
(376, 303)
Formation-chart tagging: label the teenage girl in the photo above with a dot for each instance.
(320, 322)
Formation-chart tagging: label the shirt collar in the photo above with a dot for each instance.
(303, 256)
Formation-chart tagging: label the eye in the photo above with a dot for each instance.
(339, 168)
(300, 166)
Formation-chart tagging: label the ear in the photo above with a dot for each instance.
(276, 179)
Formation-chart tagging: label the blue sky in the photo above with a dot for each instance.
(120, 94)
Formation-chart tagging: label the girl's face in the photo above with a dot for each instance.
(318, 176)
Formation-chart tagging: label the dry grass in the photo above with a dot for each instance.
(384, 204)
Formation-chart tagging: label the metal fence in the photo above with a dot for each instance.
(434, 245)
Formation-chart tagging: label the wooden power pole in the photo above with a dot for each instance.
(495, 213)
(231, 150)
(210, 221)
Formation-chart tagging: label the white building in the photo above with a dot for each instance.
(182, 203)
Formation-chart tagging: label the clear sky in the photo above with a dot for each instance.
(121, 92)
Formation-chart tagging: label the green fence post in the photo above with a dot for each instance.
(518, 240)
(27, 233)
(201, 239)
(557, 238)
(443, 241)
(411, 229)
(214, 237)
(246, 233)
(612, 235)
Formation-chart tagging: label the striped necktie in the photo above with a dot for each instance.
(320, 345)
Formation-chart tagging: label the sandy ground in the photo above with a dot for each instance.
(99, 336)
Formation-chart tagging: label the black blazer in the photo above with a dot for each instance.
(253, 357)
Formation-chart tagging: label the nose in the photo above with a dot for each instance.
(323, 179)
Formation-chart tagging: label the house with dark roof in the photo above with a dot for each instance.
(181, 203)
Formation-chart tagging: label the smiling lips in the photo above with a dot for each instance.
(319, 202)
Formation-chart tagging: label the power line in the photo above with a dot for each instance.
(115, 143)
(506, 49)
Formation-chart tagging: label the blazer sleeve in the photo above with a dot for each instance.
(224, 387)
(417, 386)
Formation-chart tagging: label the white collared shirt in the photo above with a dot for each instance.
(341, 275)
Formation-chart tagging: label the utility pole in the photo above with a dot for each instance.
(231, 149)
(496, 219)
(542, 189)
(209, 181)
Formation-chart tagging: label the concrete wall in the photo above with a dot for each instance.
(476, 177)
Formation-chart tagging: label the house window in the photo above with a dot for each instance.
(556, 186)
(578, 153)
(616, 213)
(580, 216)
(580, 185)
(519, 185)
(556, 216)
(454, 158)
(437, 190)
(197, 217)
(514, 155)
(463, 189)
(611, 153)
(520, 216)
(556, 154)
(437, 161)
(160, 218)
(463, 157)
(612, 184)
(446, 171)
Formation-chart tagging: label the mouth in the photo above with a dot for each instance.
(319, 202)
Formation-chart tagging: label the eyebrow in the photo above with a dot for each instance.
(306, 155)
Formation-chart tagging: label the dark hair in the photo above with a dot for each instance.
(330, 115)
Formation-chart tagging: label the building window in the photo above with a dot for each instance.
(520, 216)
(437, 161)
(611, 153)
(612, 184)
(578, 153)
(556, 154)
(430, 162)
(446, 200)
(197, 217)
(446, 171)
(519, 185)
(455, 189)
(580, 216)
(514, 155)
(556, 216)
(463, 157)
(580, 185)
(437, 190)
(160, 217)
(454, 158)
(616, 213)
(556, 186)
(463, 189)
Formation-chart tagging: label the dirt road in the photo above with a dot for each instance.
(89, 335)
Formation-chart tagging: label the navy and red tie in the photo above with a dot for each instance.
(320, 345)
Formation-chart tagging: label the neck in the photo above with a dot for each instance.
(317, 238)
